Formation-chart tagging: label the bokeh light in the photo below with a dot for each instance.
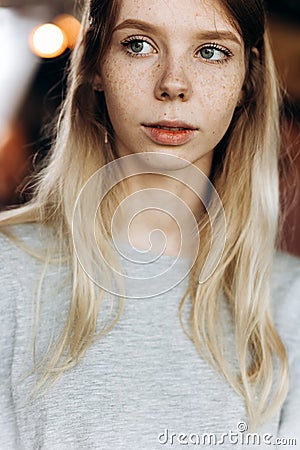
(70, 26)
(48, 41)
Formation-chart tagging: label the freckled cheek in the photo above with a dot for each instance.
(216, 107)
(120, 99)
(218, 102)
(126, 76)
(126, 93)
(220, 94)
(219, 118)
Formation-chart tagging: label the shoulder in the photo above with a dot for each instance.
(17, 264)
(23, 252)
(26, 241)
(31, 234)
(19, 271)
(286, 295)
(28, 272)
(18, 244)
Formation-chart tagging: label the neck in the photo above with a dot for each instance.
(163, 208)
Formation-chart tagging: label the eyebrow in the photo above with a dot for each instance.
(203, 34)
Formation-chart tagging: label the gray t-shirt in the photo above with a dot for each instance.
(142, 386)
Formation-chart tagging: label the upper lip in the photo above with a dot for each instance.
(170, 124)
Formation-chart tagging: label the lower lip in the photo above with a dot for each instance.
(169, 137)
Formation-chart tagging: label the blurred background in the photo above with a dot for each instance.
(36, 40)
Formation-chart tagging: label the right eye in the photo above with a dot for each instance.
(138, 47)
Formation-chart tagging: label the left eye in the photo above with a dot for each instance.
(213, 54)
(138, 47)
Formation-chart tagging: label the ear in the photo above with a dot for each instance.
(255, 51)
(97, 83)
(241, 98)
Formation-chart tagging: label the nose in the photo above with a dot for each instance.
(173, 83)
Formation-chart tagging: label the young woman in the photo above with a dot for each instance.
(170, 124)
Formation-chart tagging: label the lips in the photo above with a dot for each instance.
(170, 128)
(169, 132)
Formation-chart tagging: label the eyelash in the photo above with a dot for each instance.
(228, 54)
(127, 42)
(212, 45)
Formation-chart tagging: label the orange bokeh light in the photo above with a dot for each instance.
(48, 40)
(70, 26)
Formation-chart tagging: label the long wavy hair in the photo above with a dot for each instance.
(245, 174)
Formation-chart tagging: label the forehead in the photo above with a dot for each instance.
(178, 15)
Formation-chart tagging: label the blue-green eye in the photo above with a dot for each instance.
(137, 47)
(215, 53)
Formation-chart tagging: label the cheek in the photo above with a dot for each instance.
(124, 97)
(221, 96)
(122, 84)
(218, 104)
(116, 92)
(219, 119)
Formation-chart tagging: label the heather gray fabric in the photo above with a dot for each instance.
(143, 382)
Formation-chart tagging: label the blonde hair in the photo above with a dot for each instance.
(245, 174)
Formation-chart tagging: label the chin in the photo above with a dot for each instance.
(166, 159)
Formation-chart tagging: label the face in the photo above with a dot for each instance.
(172, 77)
